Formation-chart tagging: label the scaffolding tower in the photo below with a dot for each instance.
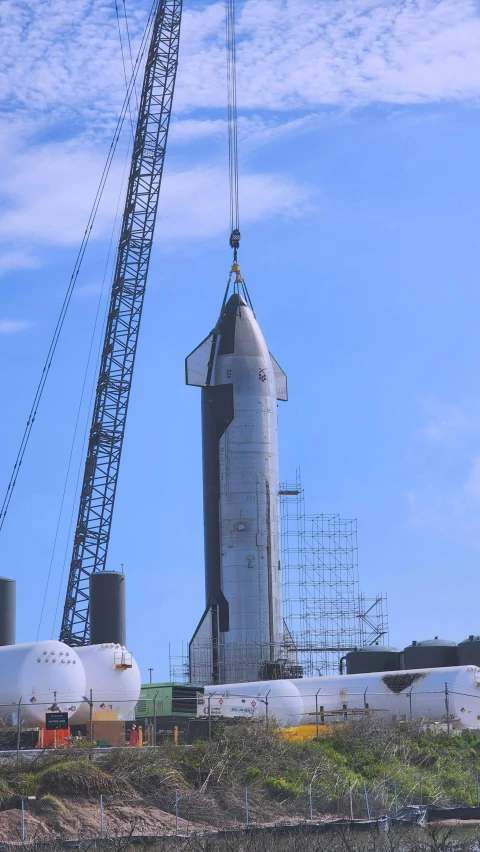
(325, 612)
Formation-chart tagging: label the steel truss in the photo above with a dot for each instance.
(123, 322)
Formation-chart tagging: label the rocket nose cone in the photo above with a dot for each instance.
(239, 330)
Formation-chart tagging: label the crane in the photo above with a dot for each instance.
(114, 381)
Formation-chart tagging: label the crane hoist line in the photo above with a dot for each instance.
(123, 322)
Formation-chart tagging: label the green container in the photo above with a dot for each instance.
(168, 700)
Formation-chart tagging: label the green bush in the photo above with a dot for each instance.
(283, 788)
(49, 804)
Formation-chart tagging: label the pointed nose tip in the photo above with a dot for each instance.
(240, 333)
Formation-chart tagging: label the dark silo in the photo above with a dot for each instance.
(374, 658)
(7, 611)
(431, 654)
(469, 651)
(107, 608)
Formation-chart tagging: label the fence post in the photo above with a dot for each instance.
(310, 802)
(19, 725)
(209, 718)
(266, 708)
(350, 791)
(91, 716)
(155, 719)
(366, 799)
(176, 812)
(396, 799)
(421, 789)
(23, 819)
(447, 707)
(246, 807)
(101, 815)
(478, 791)
(316, 710)
(410, 703)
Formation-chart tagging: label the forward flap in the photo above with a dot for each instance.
(280, 379)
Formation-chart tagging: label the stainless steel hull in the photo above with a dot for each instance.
(241, 631)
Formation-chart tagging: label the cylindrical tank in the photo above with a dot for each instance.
(431, 653)
(280, 697)
(395, 695)
(7, 611)
(114, 679)
(108, 621)
(469, 651)
(36, 674)
(374, 658)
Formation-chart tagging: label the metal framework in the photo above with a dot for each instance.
(324, 610)
(123, 322)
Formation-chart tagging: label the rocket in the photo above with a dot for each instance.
(240, 635)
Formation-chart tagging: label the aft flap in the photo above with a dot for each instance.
(198, 365)
(280, 379)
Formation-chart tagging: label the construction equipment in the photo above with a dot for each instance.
(114, 383)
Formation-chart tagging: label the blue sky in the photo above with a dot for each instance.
(359, 139)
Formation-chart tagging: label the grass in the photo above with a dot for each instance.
(439, 768)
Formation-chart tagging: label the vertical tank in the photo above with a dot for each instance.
(7, 611)
(431, 654)
(374, 658)
(107, 608)
(469, 651)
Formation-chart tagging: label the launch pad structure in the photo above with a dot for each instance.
(326, 615)
(325, 612)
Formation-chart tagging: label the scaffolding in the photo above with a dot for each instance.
(326, 615)
(324, 610)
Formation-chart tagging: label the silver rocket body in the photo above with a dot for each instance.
(241, 633)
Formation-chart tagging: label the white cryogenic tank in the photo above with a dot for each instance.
(414, 694)
(285, 704)
(113, 677)
(31, 674)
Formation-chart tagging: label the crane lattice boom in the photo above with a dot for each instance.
(123, 322)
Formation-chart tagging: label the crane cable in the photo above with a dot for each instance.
(231, 48)
(90, 352)
(73, 279)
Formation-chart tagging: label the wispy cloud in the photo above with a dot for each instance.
(445, 498)
(298, 60)
(14, 326)
(63, 55)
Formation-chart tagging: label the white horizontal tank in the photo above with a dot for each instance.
(281, 697)
(31, 675)
(113, 677)
(413, 694)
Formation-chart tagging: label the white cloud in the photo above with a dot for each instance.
(47, 194)
(195, 203)
(446, 452)
(61, 73)
(14, 326)
(63, 57)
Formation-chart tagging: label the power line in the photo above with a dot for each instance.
(73, 279)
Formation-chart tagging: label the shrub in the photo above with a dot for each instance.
(280, 787)
(49, 804)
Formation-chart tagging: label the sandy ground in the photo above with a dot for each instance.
(82, 820)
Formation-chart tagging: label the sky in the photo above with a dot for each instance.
(359, 131)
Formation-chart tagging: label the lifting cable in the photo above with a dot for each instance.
(74, 276)
(231, 49)
(232, 125)
(86, 373)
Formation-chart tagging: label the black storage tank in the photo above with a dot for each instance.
(469, 651)
(431, 654)
(374, 658)
(7, 611)
(107, 608)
